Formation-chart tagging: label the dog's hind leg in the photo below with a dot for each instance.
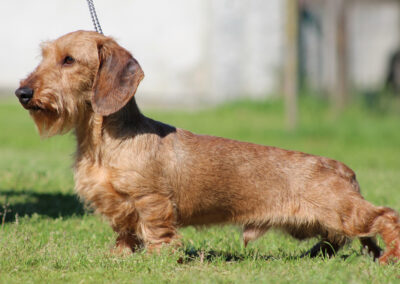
(364, 220)
(373, 220)
(372, 248)
(325, 248)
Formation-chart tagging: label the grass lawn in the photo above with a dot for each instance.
(48, 237)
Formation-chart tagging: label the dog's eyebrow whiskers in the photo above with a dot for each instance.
(45, 48)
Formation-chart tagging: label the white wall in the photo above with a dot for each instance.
(191, 50)
(373, 36)
(246, 47)
(374, 30)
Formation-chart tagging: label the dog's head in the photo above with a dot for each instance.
(80, 73)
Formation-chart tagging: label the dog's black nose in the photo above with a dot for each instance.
(24, 94)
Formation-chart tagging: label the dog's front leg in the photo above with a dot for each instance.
(157, 221)
(126, 243)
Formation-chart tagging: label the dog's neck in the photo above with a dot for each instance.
(96, 134)
(93, 128)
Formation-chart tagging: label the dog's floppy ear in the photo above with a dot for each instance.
(117, 78)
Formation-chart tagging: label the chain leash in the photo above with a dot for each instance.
(93, 14)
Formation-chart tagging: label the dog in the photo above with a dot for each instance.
(149, 178)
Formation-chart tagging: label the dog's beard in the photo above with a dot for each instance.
(57, 115)
(52, 117)
(50, 123)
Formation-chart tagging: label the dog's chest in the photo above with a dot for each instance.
(91, 181)
(108, 192)
(94, 182)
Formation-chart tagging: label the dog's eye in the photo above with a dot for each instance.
(68, 60)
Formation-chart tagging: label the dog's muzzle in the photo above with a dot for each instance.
(24, 94)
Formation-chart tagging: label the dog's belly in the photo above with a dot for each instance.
(225, 181)
(231, 181)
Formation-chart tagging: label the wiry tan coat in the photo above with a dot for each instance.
(149, 178)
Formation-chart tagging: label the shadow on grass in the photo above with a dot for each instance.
(26, 203)
(211, 255)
